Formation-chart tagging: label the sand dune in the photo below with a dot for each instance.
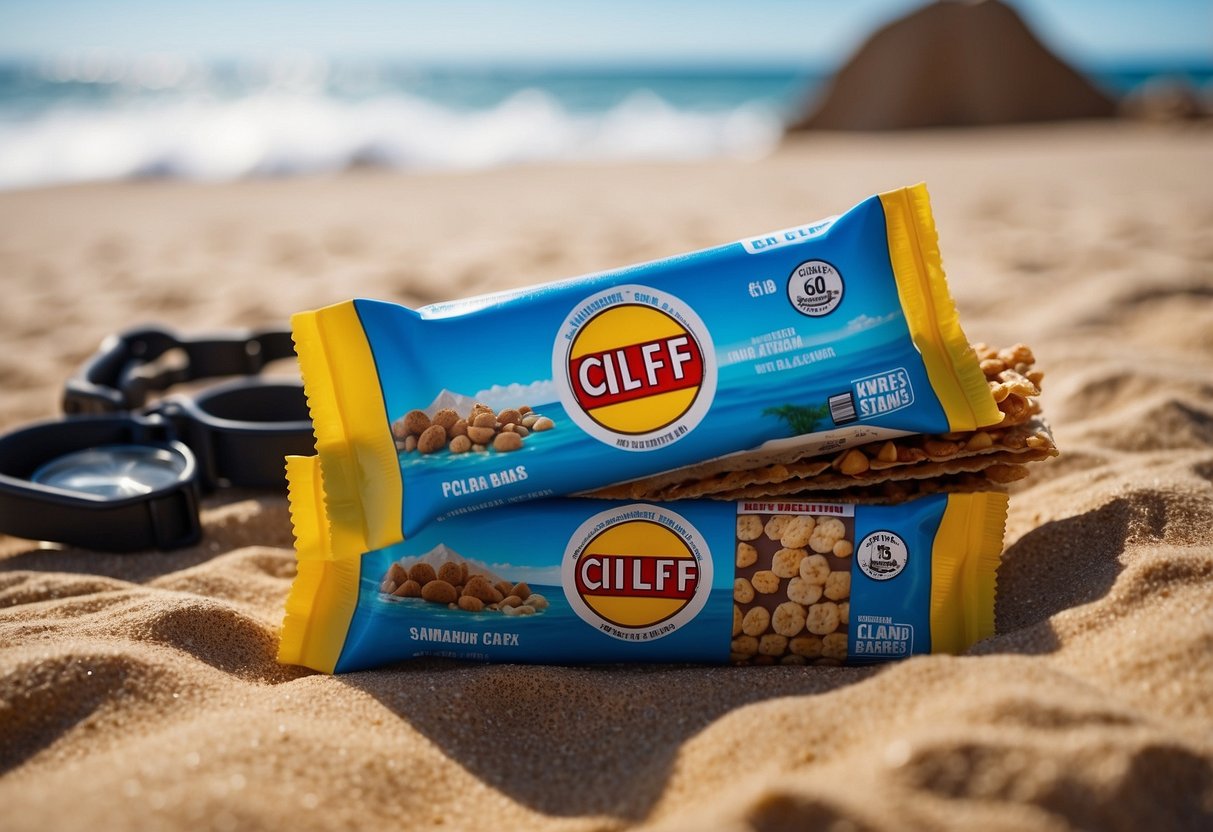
(141, 691)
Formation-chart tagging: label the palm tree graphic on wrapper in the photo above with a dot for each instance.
(800, 418)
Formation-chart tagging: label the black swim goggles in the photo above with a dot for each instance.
(117, 473)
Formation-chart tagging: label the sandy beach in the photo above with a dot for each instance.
(141, 691)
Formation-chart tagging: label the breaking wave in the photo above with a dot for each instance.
(273, 133)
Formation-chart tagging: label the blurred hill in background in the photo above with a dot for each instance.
(955, 63)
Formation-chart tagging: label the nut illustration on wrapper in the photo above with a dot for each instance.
(456, 584)
(792, 589)
(482, 428)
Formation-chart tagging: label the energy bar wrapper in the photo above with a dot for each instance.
(806, 340)
(574, 581)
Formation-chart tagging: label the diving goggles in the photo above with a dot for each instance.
(119, 473)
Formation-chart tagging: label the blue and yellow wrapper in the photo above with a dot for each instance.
(801, 341)
(575, 581)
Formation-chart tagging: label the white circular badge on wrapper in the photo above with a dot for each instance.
(635, 367)
(882, 555)
(815, 288)
(637, 572)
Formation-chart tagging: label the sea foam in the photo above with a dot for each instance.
(275, 133)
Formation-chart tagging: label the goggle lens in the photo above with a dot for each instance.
(113, 471)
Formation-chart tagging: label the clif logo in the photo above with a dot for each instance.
(637, 572)
(637, 366)
(636, 371)
(637, 576)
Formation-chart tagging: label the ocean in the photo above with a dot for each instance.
(95, 119)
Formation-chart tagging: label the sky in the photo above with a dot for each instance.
(776, 32)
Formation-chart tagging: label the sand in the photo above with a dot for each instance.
(141, 691)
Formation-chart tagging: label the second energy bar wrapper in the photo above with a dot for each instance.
(572, 581)
(801, 341)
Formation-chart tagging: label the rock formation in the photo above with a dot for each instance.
(951, 64)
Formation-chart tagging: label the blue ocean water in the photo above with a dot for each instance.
(96, 118)
(77, 121)
(1119, 80)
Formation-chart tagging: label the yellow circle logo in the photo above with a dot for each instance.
(638, 367)
(637, 572)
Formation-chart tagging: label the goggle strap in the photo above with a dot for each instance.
(116, 379)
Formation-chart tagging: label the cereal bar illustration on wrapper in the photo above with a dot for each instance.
(574, 581)
(804, 341)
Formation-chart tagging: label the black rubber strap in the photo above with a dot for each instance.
(116, 379)
(241, 430)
